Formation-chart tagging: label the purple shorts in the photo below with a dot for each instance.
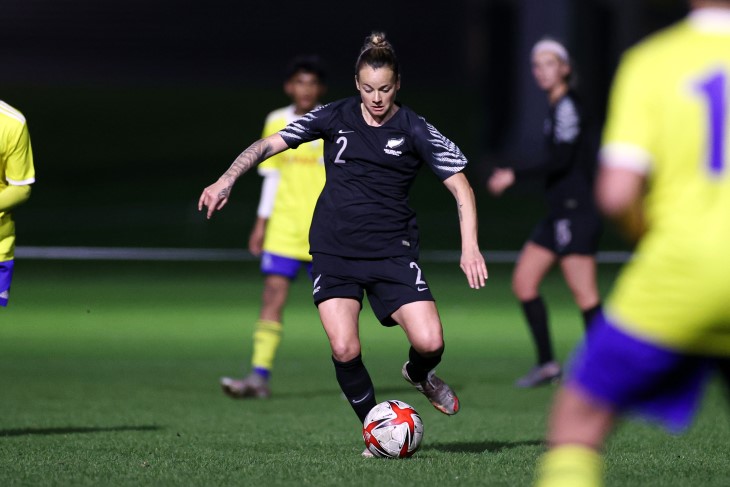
(272, 264)
(6, 275)
(632, 375)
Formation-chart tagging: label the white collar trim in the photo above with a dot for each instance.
(716, 20)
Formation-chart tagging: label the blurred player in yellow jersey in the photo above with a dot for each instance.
(292, 183)
(666, 176)
(16, 175)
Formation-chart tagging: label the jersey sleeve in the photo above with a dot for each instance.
(567, 122)
(19, 168)
(307, 128)
(443, 156)
(627, 136)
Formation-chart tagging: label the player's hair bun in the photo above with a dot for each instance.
(377, 52)
(377, 39)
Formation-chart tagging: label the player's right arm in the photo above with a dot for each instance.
(215, 196)
(628, 147)
(501, 179)
(619, 195)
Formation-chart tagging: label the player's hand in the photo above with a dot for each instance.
(474, 267)
(256, 239)
(500, 180)
(215, 197)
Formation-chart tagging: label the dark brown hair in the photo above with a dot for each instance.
(306, 64)
(377, 52)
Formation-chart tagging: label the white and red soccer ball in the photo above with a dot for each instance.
(392, 429)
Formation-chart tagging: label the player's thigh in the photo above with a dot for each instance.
(422, 325)
(393, 283)
(577, 419)
(579, 272)
(339, 318)
(532, 265)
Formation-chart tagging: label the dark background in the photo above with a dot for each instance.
(135, 106)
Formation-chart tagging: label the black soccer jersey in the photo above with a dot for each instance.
(568, 168)
(363, 210)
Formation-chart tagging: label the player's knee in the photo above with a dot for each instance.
(585, 298)
(433, 350)
(274, 295)
(344, 351)
(430, 345)
(524, 288)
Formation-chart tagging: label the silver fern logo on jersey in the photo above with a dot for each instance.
(393, 144)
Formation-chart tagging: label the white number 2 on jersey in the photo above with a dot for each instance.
(342, 140)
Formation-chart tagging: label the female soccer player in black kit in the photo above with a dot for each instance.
(364, 237)
(569, 234)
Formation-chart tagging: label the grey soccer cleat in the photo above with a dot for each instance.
(253, 386)
(547, 373)
(436, 391)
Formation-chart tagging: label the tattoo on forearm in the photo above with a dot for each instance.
(256, 152)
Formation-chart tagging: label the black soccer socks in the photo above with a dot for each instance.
(590, 313)
(356, 384)
(419, 366)
(536, 316)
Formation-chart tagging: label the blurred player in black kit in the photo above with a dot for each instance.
(570, 232)
(364, 237)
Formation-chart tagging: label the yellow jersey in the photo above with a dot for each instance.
(301, 179)
(16, 168)
(669, 118)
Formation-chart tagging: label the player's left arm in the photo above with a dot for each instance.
(19, 170)
(472, 260)
(13, 195)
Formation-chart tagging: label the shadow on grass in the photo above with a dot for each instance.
(381, 392)
(70, 430)
(482, 446)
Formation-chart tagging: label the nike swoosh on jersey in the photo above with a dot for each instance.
(345, 131)
(422, 288)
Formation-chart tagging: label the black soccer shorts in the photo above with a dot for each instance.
(389, 282)
(565, 235)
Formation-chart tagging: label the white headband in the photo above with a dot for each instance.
(554, 47)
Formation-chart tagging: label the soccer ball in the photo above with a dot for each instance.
(392, 429)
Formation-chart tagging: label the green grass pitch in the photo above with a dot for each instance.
(109, 376)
